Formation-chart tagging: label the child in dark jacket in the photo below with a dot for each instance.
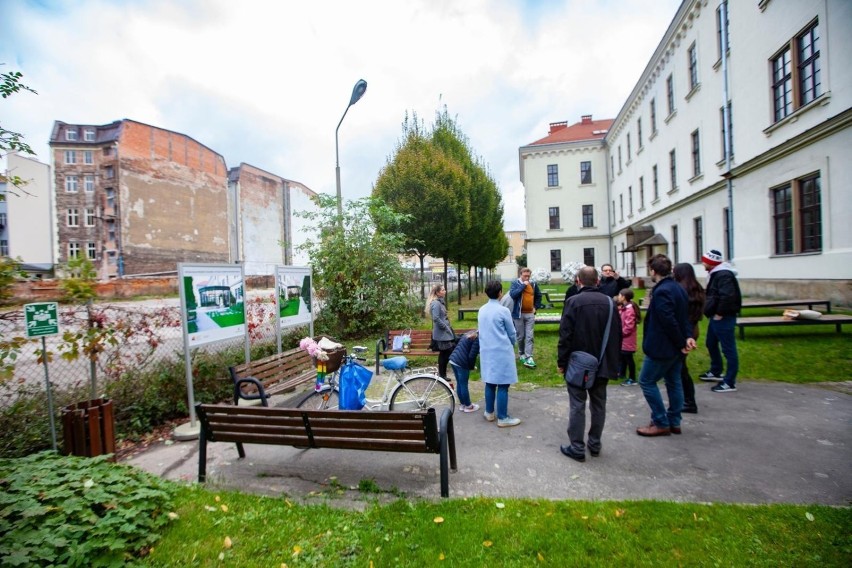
(463, 361)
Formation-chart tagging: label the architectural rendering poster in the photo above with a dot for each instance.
(212, 298)
(293, 296)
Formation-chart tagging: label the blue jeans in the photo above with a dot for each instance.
(502, 395)
(461, 384)
(652, 371)
(722, 332)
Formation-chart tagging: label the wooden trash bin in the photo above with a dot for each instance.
(88, 428)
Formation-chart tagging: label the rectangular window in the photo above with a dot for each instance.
(655, 180)
(619, 158)
(89, 183)
(87, 157)
(109, 172)
(585, 172)
(2, 220)
(810, 214)
(110, 198)
(639, 133)
(70, 156)
(70, 135)
(552, 175)
(641, 193)
(589, 256)
(698, 226)
(630, 200)
(719, 29)
(91, 251)
(72, 217)
(628, 147)
(588, 216)
(653, 105)
(555, 260)
(621, 207)
(70, 184)
(673, 169)
(553, 214)
(696, 154)
(73, 250)
(670, 93)
(805, 74)
(782, 214)
(675, 238)
(810, 81)
(692, 56)
(111, 231)
(730, 130)
(90, 217)
(613, 212)
(4, 247)
(612, 166)
(89, 135)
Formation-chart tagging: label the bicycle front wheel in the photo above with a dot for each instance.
(422, 393)
(325, 399)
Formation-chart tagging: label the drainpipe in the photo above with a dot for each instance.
(726, 120)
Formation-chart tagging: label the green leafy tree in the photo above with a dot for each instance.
(10, 141)
(361, 285)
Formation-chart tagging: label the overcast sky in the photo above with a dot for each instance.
(266, 81)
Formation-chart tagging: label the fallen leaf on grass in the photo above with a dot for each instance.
(441, 556)
(439, 520)
(227, 543)
(173, 516)
(809, 516)
(499, 505)
(209, 508)
(296, 550)
(540, 557)
(619, 512)
(487, 544)
(217, 498)
(224, 508)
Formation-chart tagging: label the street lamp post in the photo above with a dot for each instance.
(357, 92)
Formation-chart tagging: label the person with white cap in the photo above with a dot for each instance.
(721, 306)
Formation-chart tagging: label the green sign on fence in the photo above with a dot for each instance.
(42, 319)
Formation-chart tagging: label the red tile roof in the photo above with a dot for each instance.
(586, 129)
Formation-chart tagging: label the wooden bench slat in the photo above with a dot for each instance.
(277, 374)
(836, 320)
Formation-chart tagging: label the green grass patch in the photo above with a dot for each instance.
(266, 531)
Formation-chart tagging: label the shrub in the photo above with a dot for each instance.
(72, 511)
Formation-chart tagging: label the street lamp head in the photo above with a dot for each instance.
(358, 91)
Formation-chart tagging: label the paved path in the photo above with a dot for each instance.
(766, 443)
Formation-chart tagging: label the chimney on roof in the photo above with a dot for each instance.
(586, 119)
(557, 126)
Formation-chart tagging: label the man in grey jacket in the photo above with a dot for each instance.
(582, 328)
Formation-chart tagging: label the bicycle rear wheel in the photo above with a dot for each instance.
(421, 393)
(325, 399)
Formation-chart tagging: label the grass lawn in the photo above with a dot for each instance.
(264, 531)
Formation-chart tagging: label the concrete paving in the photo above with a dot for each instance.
(766, 443)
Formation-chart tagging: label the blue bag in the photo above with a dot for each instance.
(354, 380)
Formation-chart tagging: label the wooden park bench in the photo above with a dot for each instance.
(762, 321)
(256, 381)
(419, 346)
(392, 431)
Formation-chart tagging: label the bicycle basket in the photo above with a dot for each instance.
(335, 358)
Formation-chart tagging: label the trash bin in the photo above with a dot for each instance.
(88, 428)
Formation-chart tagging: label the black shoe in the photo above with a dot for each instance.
(595, 454)
(693, 409)
(569, 451)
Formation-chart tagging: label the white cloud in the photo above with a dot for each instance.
(267, 82)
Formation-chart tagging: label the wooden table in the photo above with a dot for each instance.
(836, 320)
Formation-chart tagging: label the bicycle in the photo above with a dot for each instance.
(405, 389)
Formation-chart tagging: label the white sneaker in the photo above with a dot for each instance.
(471, 408)
(490, 416)
(710, 377)
(508, 422)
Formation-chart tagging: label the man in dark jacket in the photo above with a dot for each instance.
(667, 335)
(611, 283)
(721, 306)
(584, 320)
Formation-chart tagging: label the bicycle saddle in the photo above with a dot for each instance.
(395, 363)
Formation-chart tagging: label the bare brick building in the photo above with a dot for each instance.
(137, 199)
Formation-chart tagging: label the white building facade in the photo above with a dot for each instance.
(26, 215)
(777, 201)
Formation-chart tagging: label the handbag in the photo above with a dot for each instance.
(400, 340)
(583, 367)
(354, 380)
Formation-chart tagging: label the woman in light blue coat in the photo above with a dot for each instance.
(497, 338)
